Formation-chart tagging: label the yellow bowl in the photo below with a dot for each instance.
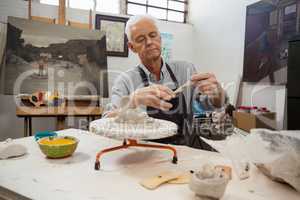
(58, 147)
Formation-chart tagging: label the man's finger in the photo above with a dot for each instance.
(166, 90)
(201, 76)
(203, 83)
(161, 94)
(162, 105)
(155, 102)
(208, 87)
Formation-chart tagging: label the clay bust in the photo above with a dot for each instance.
(131, 115)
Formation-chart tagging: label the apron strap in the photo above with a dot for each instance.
(146, 81)
(173, 77)
(143, 76)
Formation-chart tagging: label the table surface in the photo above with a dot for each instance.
(37, 177)
(25, 111)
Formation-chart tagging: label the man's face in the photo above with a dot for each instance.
(145, 40)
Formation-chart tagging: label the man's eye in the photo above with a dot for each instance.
(153, 35)
(140, 40)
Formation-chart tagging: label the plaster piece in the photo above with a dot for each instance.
(209, 183)
(9, 149)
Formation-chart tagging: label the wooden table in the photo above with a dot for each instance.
(91, 112)
(33, 176)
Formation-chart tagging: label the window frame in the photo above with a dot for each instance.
(47, 3)
(93, 7)
(185, 12)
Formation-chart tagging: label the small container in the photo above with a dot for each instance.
(254, 110)
(58, 147)
(244, 109)
(42, 134)
(263, 110)
(208, 188)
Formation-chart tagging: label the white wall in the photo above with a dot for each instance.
(11, 126)
(220, 33)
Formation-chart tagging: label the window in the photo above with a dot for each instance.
(108, 6)
(50, 2)
(170, 10)
(79, 4)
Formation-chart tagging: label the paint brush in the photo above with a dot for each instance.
(182, 87)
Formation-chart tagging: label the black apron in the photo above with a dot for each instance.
(177, 114)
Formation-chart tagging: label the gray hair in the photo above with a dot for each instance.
(135, 19)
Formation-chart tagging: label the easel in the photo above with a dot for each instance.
(38, 18)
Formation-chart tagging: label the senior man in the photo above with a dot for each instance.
(152, 83)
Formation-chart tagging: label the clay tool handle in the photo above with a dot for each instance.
(182, 87)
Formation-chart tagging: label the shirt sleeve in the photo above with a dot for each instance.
(120, 88)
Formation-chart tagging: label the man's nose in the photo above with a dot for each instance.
(149, 40)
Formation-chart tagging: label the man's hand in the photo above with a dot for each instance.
(208, 84)
(154, 96)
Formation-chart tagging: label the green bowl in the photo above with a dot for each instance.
(52, 149)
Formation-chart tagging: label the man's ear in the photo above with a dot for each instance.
(131, 47)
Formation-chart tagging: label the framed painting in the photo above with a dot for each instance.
(116, 40)
(47, 57)
(269, 27)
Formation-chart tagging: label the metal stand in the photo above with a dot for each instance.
(27, 126)
(134, 143)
